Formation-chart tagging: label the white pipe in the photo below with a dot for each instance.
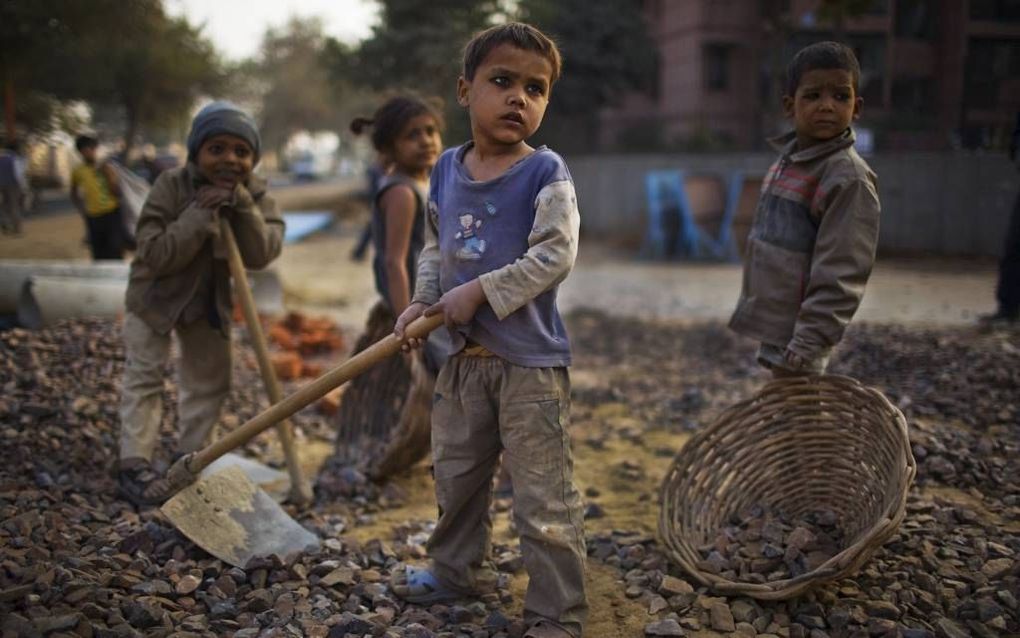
(46, 299)
(14, 273)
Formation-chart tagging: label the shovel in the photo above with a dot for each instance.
(300, 491)
(226, 514)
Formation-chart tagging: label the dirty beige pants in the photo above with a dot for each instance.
(203, 385)
(485, 405)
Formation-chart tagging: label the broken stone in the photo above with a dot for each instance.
(721, 617)
(668, 627)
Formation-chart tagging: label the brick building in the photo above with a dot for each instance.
(936, 74)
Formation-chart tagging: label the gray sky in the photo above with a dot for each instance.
(236, 26)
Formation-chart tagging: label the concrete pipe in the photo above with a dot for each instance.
(14, 272)
(46, 299)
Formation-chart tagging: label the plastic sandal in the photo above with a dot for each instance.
(421, 587)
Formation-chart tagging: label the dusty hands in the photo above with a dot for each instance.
(213, 196)
(458, 307)
(460, 304)
(405, 319)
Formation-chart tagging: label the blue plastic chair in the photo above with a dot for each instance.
(724, 246)
(662, 189)
(667, 187)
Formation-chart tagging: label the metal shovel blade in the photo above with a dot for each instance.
(273, 482)
(227, 515)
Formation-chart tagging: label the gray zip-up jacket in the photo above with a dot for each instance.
(177, 256)
(811, 247)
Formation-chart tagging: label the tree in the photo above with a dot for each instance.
(127, 56)
(607, 53)
(293, 82)
(418, 46)
(35, 37)
(153, 71)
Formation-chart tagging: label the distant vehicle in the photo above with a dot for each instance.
(309, 166)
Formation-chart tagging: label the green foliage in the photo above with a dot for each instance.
(418, 44)
(607, 53)
(292, 82)
(606, 48)
(155, 71)
(36, 39)
(130, 56)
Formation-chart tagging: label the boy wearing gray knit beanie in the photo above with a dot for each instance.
(180, 283)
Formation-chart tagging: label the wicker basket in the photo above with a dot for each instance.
(798, 445)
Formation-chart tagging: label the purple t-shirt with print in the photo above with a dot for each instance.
(484, 226)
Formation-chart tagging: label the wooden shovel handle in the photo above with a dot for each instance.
(300, 490)
(312, 391)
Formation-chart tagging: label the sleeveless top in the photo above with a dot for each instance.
(379, 234)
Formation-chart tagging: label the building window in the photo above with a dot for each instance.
(878, 8)
(1005, 10)
(912, 99)
(915, 20)
(989, 64)
(773, 9)
(717, 66)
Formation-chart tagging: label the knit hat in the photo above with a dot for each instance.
(222, 117)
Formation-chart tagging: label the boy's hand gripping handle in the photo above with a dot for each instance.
(186, 470)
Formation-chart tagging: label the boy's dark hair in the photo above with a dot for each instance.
(85, 141)
(822, 55)
(517, 34)
(394, 114)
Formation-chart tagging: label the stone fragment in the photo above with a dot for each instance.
(667, 627)
(946, 628)
(882, 609)
(721, 617)
(672, 586)
(997, 568)
(743, 611)
(187, 585)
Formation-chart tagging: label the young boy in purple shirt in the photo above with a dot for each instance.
(501, 234)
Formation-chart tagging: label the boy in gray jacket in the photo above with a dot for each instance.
(813, 240)
(180, 283)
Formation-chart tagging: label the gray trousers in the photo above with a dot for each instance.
(484, 406)
(203, 384)
(12, 209)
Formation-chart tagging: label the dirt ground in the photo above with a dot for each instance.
(319, 277)
(630, 382)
